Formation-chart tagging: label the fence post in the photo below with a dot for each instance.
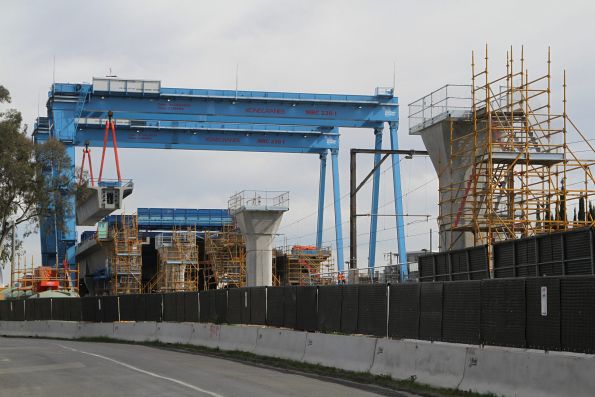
(387, 306)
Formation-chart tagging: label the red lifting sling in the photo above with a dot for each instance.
(110, 123)
(86, 154)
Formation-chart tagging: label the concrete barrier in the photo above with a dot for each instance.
(532, 373)
(240, 338)
(437, 364)
(63, 329)
(14, 328)
(179, 333)
(96, 330)
(205, 335)
(351, 353)
(136, 331)
(499, 370)
(281, 343)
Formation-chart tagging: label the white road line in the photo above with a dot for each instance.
(142, 371)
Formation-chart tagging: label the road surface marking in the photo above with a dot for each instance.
(142, 371)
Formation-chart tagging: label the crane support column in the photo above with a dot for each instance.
(374, 211)
(321, 192)
(337, 206)
(394, 142)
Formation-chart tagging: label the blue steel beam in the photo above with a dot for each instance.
(242, 139)
(374, 211)
(321, 188)
(328, 110)
(394, 142)
(337, 207)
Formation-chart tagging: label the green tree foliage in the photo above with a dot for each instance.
(34, 179)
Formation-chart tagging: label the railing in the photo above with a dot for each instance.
(378, 275)
(260, 199)
(453, 99)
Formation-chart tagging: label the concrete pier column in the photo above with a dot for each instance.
(258, 215)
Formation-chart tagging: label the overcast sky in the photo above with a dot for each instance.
(301, 46)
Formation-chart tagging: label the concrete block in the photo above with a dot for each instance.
(437, 364)
(96, 330)
(174, 332)
(145, 331)
(205, 335)
(62, 329)
(35, 328)
(281, 343)
(531, 373)
(238, 337)
(13, 328)
(351, 353)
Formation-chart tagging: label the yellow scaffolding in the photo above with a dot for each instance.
(178, 262)
(27, 279)
(522, 173)
(303, 265)
(126, 261)
(225, 253)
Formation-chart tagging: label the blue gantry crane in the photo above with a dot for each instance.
(149, 116)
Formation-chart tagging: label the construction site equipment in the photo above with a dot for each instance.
(26, 279)
(152, 116)
(509, 166)
(94, 203)
(125, 261)
(304, 265)
(178, 262)
(225, 253)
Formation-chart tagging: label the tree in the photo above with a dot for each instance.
(34, 179)
(582, 216)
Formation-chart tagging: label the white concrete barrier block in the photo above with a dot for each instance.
(532, 373)
(281, 343)
(13, 328)
(144, 331)
(174, 332)
(96, 330)
(351, 353)
(238, 337)
(62, 329)
(437, 364)
(205, 335)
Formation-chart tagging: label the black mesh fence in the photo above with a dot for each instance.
(275, 306)
(577, 308)
(349, 308)
(371, 315)
(329, 309)
(549, 313)
(430, 311)
(258, 305)
(306, 309)
(503, 312)
(234, 306)
(461, 308)
(403, 318)
(543, 313)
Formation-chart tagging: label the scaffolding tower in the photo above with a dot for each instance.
(515, 168)
(303, 265)
(178, 262)
(126, 261)
(225, 253)
(27, 279)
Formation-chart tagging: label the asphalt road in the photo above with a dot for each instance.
(38, 367)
